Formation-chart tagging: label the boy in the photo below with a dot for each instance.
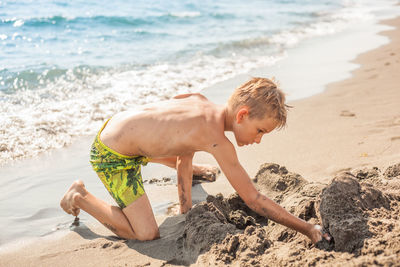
(169, 133)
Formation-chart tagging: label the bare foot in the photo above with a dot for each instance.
(69, 201)
(205, 172)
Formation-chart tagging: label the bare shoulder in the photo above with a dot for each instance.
(219, 145)
(198, 95)
(211, 126)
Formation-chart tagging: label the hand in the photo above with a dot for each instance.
(316, 234)
(185, 209)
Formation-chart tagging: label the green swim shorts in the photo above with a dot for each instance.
(120, 174)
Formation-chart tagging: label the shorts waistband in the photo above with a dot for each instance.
(108, 148)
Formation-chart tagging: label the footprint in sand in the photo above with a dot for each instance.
(393, 122)
(394, 138)
(368, 70)
(346, 113)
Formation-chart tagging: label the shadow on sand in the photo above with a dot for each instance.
(166, 248)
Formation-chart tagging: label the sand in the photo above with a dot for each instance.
(359, 209)
(336, 164)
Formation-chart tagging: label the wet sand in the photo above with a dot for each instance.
(330, 139)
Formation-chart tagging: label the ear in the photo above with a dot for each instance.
(242, 113)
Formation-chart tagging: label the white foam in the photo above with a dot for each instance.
(38, 120)
(18, 23)
(327, 24)
(185, 14)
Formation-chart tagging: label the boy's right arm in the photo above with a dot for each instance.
(226, 157)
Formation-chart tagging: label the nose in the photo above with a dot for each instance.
(258, 139)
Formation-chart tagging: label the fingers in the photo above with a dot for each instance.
(75, 211)
(327, 236)
(323, 233)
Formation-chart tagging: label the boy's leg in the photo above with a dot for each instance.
(141, 217)
(133, 222)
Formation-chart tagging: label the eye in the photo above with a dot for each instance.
(260, 131)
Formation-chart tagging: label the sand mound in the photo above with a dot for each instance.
(392, 171)
(359, 209)
(215, 222)
(343, 208)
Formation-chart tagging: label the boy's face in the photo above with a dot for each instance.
(248, 131)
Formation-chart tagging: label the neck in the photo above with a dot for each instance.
(227, 119)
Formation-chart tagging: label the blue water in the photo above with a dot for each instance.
(39, 35)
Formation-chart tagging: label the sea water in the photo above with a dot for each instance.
(66, 66)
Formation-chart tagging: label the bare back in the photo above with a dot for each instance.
(179, 126)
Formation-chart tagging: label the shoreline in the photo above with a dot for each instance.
(343, 125)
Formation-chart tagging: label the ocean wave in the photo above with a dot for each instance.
(115, 21)
(34, 78)
(187, 14)
(320, 23)
(327, 22)
(112, 21)
(56, 21)
(35, 22)
(195, 14)
(32, 123)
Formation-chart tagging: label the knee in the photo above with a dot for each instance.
(148, 234)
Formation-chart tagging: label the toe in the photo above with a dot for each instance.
(75, 212)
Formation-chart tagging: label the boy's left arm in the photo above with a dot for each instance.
(184, 170)
(225, 154)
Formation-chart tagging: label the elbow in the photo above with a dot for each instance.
(256, 202)
(249, 194)
(251, 200)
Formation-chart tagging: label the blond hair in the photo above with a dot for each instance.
(263, 98)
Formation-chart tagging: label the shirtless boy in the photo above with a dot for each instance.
(169, 133)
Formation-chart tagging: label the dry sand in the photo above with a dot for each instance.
(326, 175)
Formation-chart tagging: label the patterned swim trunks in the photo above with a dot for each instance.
(120, 174)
